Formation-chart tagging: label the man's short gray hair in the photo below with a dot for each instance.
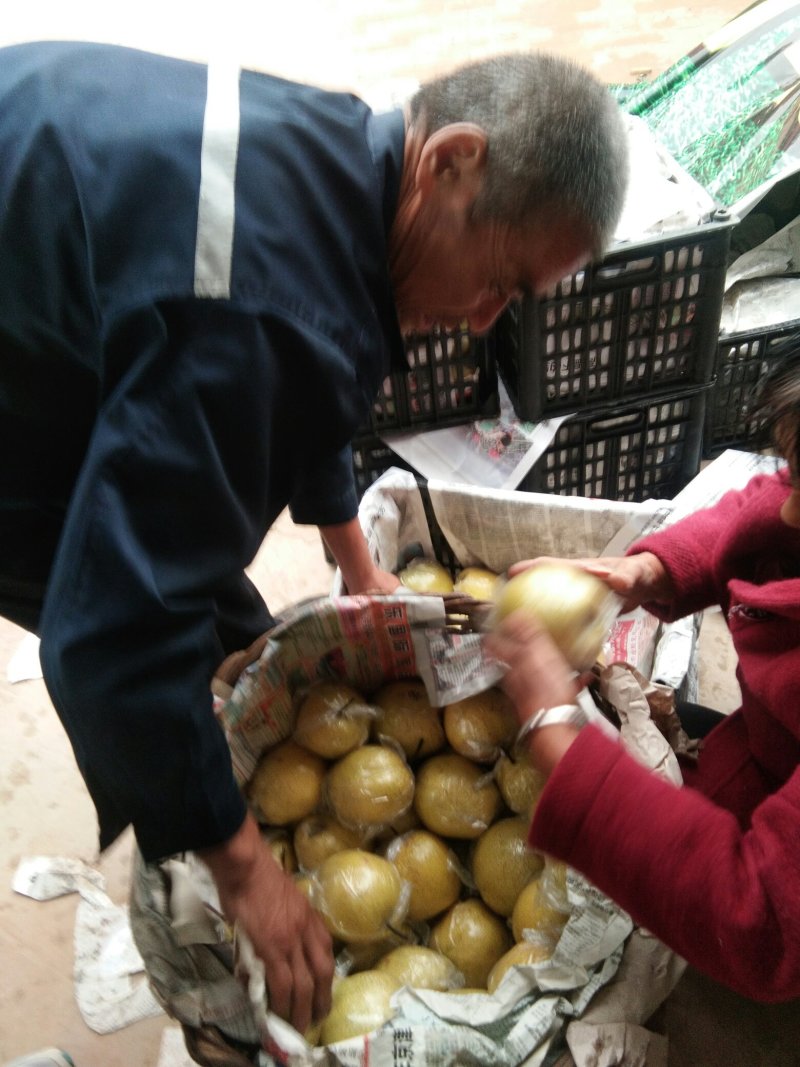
(556, 139)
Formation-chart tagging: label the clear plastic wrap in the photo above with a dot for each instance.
(405, 715)
(332, 720)
(480, 727)
(432, 870)
(360, 895)
(369, 787)
(455, 797)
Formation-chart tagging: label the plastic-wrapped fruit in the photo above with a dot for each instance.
(332, 720)
(539, 909)
(360, 1003)
(477, 582)
(519, 955)
(473, 938)
(575, 607)
(358, 895)
(421, 968)
(319, 836)
(520, 784)
(503, 863)
(282, 849)
(454, 797)
(406, 716)
(287, 783)
(424, 575)
(430, 868)
(480, 726)
(370, 787)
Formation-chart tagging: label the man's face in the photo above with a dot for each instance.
(469, 273)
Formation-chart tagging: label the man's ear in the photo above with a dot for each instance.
(452, 161)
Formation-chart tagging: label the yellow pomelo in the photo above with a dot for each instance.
(425, 575)
(539, 911)
(520, 955)
(319, 836)
(473, 938)
(520, 784)
(480, 726)
(421, 968)
(407, 717)
(477, 582)
(360, 1003)
(287, 784)
(358, 894)
(364, 955)
(575, 607)
(332, 720)
(409, 820)
(503, 863)
(281, 847)
(454, 797)
(370, 787)
(430, 868)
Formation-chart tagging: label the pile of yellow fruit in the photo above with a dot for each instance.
(406, 825)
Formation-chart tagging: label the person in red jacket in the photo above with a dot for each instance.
(711, 868)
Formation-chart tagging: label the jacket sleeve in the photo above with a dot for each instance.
(325, 493)
(724, 899)
(687, 550)
(182, 480)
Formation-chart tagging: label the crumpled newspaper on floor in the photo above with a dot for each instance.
(110, 985)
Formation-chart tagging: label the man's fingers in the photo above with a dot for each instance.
(279, 980)
(302, 992)
(320, 958)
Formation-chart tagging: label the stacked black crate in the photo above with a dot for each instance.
(626, 349)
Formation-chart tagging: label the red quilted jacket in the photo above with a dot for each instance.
(712, 868)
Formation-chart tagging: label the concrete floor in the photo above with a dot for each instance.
(46, 810)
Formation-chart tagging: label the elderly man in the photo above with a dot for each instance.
(205, 275)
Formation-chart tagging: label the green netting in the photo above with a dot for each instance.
(728, 110)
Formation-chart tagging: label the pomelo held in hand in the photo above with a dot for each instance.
(575, 607)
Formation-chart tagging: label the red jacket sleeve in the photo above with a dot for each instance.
(689, 551)
(725, 900)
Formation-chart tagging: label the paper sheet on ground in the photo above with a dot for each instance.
(110, 985)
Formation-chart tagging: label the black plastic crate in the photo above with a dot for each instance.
(649, 449)
(643, 320)
(452, 379)
(743, 359)
(371, 457)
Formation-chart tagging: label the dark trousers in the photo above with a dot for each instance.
(697, 720)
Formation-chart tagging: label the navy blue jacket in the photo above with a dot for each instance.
(195, 316)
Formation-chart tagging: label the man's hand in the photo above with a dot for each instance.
(638, 579)
(359, 573)
(286, 933)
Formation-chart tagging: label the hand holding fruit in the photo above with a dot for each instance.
(637, 579)
(285, 931)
